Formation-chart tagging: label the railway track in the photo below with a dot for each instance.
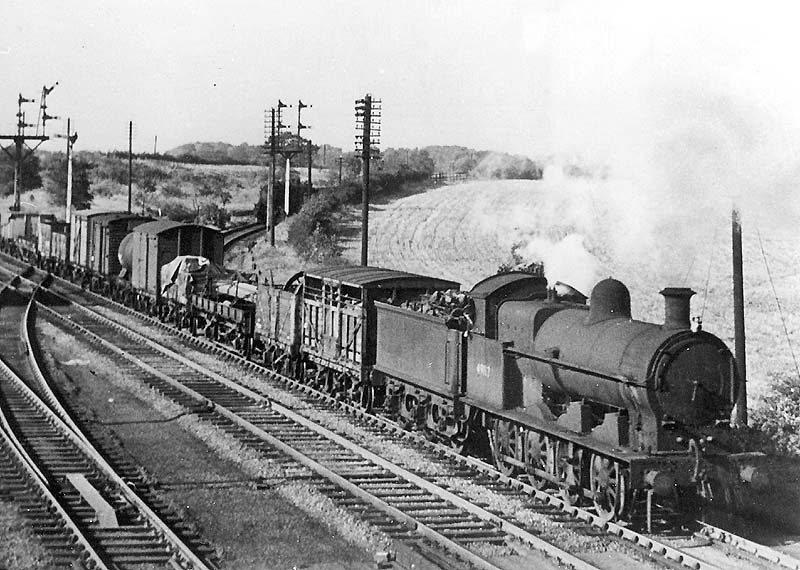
(81, 509)
(232, 236)
(398, 502)
(576, 518)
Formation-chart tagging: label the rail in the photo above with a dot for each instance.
(341, 480)
(74, 434)
(232, 236)
(646, 542)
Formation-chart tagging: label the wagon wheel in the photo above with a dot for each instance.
(568, 471)
(538, 458)
(300, 370)
(363, 395)
(609, 484)
(504, 440)
(407, 412)
(287, 367)
(458, 441)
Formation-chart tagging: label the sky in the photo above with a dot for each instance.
(613, 82)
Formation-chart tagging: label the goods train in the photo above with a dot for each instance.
(582, 398)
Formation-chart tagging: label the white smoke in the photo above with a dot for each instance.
(566, 260)
(691, 106)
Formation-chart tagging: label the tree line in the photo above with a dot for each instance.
(48, 170)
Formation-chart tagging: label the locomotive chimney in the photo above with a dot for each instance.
(676, 307)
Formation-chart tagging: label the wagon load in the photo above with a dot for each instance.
(456, 308)
(235, 285)
(187, 275)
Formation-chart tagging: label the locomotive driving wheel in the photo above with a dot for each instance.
(538, 458)
(568, 460)
(609, 485)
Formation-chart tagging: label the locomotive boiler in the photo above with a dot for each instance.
(669, 379)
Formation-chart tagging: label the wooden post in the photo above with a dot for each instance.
(271, 186)
(68, 208)
(365, 191)
(130, 165)
(740, 410)
(286, 181)
(310, 159)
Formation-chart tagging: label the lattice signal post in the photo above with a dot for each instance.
(22, 150)
(368, 127)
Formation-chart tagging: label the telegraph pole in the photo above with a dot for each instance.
(310, 163)
(271, 180)
(130, 164)
(20, 139)
(368, 120)
(740, 410)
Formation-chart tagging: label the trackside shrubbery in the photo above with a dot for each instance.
(779, 415)
(314, 231)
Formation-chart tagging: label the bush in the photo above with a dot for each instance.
(313, 232)
(779, 415)
(175, 210)
(315, 243)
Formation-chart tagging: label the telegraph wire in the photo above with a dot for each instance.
(778, 303)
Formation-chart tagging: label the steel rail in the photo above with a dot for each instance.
(759, 550)
(234, 235)
(34, 356)
(655, 546)
(179, 547)
(619, 530)
(35, 475)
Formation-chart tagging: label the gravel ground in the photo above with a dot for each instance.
(19, 548)
(211, 482)
(412, 459)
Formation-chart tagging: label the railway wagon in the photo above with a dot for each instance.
(95, 239)
(205, 298)
(21, 234)
(53, 243)
(151, 245)
(24, 225)
(335, 332)
(278, 318)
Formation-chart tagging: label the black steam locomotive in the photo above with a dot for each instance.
(607, 409)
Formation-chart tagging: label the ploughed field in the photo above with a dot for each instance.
(585, 232)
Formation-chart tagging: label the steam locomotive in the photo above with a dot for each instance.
(606, 409)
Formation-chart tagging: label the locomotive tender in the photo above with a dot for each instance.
(582, 398)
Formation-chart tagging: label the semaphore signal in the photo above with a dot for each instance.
(21, 149)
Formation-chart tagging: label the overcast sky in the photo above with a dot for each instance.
(595, 79)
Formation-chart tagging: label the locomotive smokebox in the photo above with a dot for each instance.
(676, 307)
